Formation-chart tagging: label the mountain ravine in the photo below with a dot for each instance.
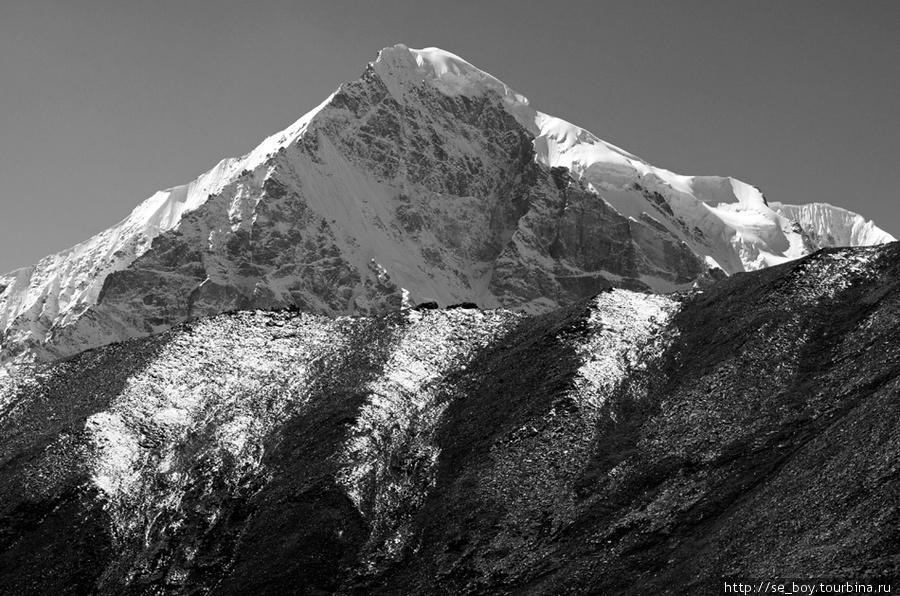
(425, 180)
(628, 443)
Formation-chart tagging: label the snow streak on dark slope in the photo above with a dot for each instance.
(627, 444)
(426, 179)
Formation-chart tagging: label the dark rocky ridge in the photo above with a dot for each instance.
(750, 431)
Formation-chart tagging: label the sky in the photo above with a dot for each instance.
(104, 102)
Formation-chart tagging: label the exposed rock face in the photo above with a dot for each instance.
(629, 444)
(426, 179)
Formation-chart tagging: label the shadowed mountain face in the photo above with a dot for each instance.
(628, 443)
(426, 179)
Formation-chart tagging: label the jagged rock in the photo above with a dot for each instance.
(431, 305)
(471, 305)
(628, 443)
(426, 179)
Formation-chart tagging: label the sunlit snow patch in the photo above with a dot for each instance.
(208, 401)
(390, 459)
(623, 325)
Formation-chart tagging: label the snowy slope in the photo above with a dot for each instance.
(745, 225)
(427, 179)
(60, 287)
(833, 226)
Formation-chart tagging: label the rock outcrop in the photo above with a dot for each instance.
(628, 443)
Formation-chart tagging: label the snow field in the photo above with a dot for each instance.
(390, 458)
(228, 379)
(623, 328)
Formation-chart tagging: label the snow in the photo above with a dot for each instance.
(748, 228)
(739, 230)
(712, 263)
(339, 191)
(63, 285)
(404, 407)
(285, 138)
(623, 326)
(234, 380)
(228, 371)
(836, 225)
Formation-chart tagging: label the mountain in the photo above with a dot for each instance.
(425, 180)
(628, 443)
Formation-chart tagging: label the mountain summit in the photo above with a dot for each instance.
(426, 179)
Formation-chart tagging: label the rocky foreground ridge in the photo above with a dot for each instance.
(426, 179)
(628, 443)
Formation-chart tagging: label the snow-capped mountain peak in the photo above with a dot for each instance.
(765, 237)
(449, 73)
(426, 179)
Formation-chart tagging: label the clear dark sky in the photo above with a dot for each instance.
(104, 102)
